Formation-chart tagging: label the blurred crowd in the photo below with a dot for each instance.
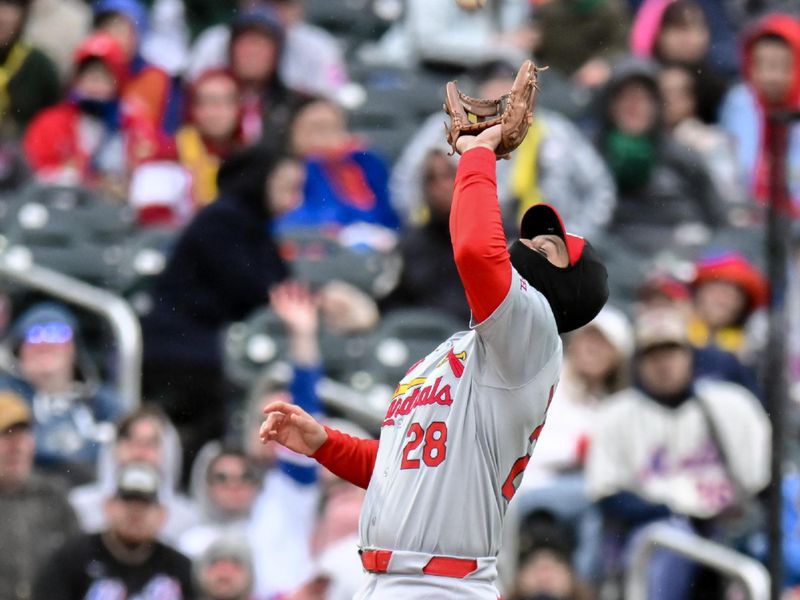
(268, 184)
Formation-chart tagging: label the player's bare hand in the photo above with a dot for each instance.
(292, 427)
(489, 138)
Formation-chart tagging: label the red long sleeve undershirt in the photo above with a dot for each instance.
(476, 230)
(479, 247)
(348, 457)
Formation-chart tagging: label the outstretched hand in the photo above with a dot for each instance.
(292, 427)
(488, 138)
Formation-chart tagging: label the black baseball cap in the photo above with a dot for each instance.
(543, 219)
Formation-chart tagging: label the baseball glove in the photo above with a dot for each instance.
(514, 110)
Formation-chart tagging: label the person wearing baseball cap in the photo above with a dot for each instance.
(126, 560)
(29, 501)
(659, 445)
(462, 423)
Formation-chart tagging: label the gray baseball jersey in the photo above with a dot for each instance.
(460, 430)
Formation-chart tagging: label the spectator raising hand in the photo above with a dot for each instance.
(297, 308)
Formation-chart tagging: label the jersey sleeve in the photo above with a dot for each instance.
(515, 325)
(519, 338)
(350, 458)
(476, 230)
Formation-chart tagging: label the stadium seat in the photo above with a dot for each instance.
(70, 230)
(144, 257)
(402, 337)
(317, 258)
(253, 345)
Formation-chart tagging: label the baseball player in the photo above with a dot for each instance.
(463, 421)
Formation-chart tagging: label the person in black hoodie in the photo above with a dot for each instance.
(662, 186)
(221, 269)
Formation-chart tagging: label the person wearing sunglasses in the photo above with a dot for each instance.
(225, 484)
(72, 409)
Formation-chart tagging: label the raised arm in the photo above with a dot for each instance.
(476, 227)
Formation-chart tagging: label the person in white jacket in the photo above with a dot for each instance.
(691, 453)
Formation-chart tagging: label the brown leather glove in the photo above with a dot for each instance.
(514, 110)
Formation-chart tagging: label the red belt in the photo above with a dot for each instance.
(377, 561)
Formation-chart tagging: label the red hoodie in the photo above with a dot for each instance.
(787, 28)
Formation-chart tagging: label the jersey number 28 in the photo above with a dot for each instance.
(433, 442)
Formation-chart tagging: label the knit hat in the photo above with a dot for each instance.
(41, 314)
(733, 268)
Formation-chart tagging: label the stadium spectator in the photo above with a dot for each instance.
(35, 518)
(29, 79)
(220, 270)
(545, 573)
(143, 436)
(257, 42)
(58, 27)
(312, 61)
(73, 410)
(429, 277)
(346, 183)
(444, 36)
(126, 560)
(212, 132)
(771, 71)
(601, 24)
(275, 512)
(225, 570)
(224, 485)
(697, 478)
(596, 363)
(92, 137)
(728, 293)
(679, 89)
(662, 186)
(556, 164)
(148, 87)
(676, 32)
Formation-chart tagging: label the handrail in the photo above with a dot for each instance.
(749, 572)
(16, 264)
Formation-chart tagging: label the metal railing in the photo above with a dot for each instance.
(750, 573)
(16, 265)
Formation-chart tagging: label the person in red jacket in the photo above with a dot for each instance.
(92, 138)
(463, 421)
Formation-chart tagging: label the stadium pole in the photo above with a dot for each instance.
(775, 380)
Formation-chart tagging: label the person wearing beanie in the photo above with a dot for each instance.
(254, 52)
(663, 187)
(729, 295)
(225, 570)
(151, 88)
(73, 411)
(93, 137)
